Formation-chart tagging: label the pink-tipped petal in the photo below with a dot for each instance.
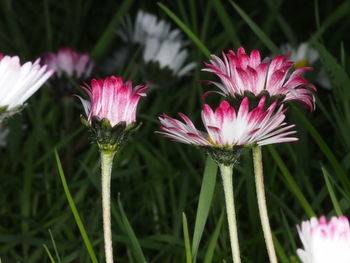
(182, 132)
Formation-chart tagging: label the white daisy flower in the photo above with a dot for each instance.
(302, 56)
(160, 43)
(19, 82)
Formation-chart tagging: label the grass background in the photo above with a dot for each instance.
(155, 180)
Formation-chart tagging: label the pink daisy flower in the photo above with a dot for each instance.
(227, 128)
(69, 62)
(241, 74)
(112, 99)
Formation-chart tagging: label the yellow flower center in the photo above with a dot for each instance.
(300, 64)
(210, 140)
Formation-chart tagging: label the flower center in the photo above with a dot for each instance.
(300, 64)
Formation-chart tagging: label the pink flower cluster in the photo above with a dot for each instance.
(114, 100)
(241, 124)
(241, 76)
(325, 242)
(69, 62)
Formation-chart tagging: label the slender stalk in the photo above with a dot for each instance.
(260, 191)
(106, 167)
(226, 174)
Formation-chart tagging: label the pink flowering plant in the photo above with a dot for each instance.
(220, 121)
(111, 115)
(258, 91)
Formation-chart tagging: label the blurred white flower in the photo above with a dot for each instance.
(148, 26)
(302, 56)
(160, 43)
(169, 54)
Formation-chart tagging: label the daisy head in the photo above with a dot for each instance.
(111, 110)
(228, 130)
(242, 74)
(68, 62)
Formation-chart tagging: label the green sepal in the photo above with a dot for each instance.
(227, 156)
(111, 138)
(134, 127)
(84, 121)
(236, 100)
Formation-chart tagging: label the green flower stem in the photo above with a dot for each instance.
(260, 192)
(226, 174)
(106, 166)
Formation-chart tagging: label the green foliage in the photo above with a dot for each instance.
(75, 211)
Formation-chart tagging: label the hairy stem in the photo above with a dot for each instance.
(106, 167)
(260, 191)
(226, 174)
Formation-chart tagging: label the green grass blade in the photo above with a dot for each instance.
(107, 36)
(227, 22)
(55, 247)
(279, 250)
(205, 198)
(75, 211)
(136, 248)
(186, 239)
(289, 231)
(186, 29)
(291, 183)
(331, 192)
(48, 253)
(214, 240)
(262, 36)
(325, 149)
(317, 14)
